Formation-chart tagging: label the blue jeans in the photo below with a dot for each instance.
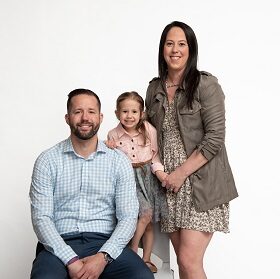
(128, 265)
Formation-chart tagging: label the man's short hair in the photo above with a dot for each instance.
(82, 91)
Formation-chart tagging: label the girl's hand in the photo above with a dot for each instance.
(161, 175)
(174, 180)
(110, 143)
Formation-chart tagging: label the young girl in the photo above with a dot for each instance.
(137, 138)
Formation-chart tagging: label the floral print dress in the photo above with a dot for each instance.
(181, 211)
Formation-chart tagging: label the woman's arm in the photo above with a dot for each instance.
(175, 179)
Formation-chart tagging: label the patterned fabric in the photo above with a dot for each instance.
(151, 195)
(70, 195)
(182, 213)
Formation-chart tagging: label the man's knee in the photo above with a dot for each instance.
(145, 274)
(130, 265)
(48, 266)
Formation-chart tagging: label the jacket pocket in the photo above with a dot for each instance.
(190, 111)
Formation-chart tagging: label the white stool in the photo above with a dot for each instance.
(161, 254)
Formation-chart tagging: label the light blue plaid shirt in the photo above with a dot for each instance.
(70, 194)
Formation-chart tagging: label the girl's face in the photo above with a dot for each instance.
(176, 50)
(129, 114)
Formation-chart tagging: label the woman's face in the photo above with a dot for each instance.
(176, 49)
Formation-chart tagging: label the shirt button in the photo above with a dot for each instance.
(132, 148)
(120, 142)
(132, 140)
(133, 155)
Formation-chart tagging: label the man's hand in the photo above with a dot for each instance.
(93, 267)
(74, 268)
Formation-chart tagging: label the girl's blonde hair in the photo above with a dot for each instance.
(136, 97)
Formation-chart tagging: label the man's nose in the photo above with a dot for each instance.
(85, 115)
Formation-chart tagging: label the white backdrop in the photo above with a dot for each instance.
(48, 48)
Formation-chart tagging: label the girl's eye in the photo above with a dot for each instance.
(169, 44)
(182, 44)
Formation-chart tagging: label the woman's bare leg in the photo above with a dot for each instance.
(190, 253)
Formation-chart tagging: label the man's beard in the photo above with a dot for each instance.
(82, 135)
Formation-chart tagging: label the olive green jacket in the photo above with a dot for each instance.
(201, 128)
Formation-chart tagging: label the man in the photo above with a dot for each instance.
(83, 203)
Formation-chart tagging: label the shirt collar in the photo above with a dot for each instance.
(68, 147)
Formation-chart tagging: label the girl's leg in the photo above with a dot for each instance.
(190, 253)
(142, 223)
(148, 241)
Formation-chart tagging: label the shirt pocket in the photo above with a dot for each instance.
(122, 145)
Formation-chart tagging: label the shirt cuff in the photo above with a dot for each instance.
(156, 167)
(73, 260)
(114, 252)
(66, 254)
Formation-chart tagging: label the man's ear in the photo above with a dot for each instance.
(101, 117)
(117, 114)
(67, 118)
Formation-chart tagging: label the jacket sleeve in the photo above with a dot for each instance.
(149, 95)
(211, 98)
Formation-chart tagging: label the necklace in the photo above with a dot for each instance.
(171, 85)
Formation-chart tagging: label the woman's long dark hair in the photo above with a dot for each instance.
(191, 75)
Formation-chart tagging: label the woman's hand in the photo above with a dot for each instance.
(175, 180)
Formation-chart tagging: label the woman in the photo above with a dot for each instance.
(187, 108)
